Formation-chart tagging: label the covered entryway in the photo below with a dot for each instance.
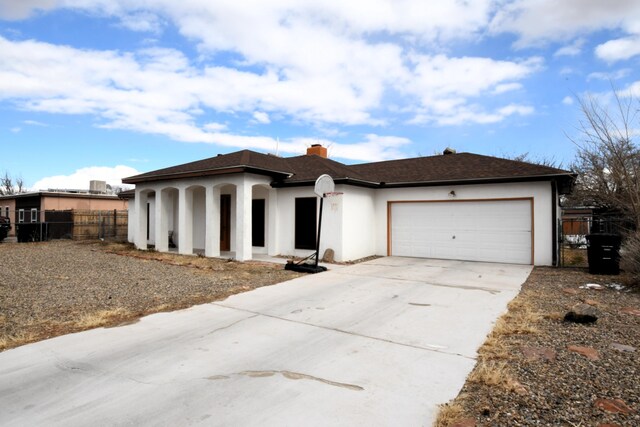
(472, 230)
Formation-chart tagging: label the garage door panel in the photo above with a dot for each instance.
(494, 231)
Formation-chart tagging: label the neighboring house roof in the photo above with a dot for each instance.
(127, 194)
(60, 194)
(304, 170)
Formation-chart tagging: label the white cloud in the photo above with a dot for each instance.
(23, 8)
(326, 64)
(615, 75)
(572, 49)
(15, 129)
(159, 91)
(261, 117)
(567, 100)
(543, 21)
(214, 127)
(34, 123)
(141, 21)
(506, 87)
(79, 180)
(619, 49)
(474, 114)
(633, 90)
(446, 85)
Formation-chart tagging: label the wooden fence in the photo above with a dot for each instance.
(111, 224)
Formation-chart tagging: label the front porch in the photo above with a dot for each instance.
(219, 215)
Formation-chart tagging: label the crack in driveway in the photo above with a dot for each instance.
(289, 375)
(436, 349)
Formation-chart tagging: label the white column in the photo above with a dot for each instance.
(185, 221)
(272, 223)
(162, 221)
(243, 221)
(141, 220)
(212, 228)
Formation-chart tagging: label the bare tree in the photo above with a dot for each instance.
(608, 159)
(539, 160)
(7, 186)
(608, 166)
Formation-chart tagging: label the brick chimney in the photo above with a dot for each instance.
(318, 150)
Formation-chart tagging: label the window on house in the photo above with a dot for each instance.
(34, 215)
(6, 211)
(305, 227)
(21, 215)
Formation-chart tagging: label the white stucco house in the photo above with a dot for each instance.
(453, 206)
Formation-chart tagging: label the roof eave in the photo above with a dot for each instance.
(206, 172)
(493, 180)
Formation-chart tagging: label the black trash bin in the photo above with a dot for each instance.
(603, 251)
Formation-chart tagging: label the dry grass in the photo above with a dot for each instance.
(574, 257)
(494, 348)
(521, 318)
(449, 414)
(490, 373)
(21, 338)
(100, 318)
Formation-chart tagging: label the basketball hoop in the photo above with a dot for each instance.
(324, 185)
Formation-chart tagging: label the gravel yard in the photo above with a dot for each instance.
(52, 288)
(536, 369)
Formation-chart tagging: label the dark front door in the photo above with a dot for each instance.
(257, 222)
(225, 222)
(305, 223)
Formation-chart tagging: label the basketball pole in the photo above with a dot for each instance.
(319, 229)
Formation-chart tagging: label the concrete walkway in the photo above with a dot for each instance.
(378, 343)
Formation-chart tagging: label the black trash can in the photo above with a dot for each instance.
(603, 251)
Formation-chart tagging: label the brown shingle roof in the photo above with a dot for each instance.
(461, 167)
(245, 159)
(451, 167)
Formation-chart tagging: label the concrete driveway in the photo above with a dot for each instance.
(378, 343)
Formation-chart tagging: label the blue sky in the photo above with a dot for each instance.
(102, 89)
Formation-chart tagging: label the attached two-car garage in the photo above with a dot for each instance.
(494, 230)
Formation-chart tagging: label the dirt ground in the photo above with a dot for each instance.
(536, 369)
(54, 288)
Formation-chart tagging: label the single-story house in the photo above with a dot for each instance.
(36, 207)
(452, 206)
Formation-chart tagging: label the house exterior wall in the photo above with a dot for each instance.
(359, 224)
(50, 203)
(539, 191)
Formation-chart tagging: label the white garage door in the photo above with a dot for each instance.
(492, 230)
